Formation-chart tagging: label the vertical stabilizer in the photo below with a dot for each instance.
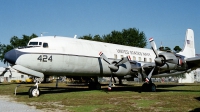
(189, 50)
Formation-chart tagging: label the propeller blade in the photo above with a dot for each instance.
(143, 73)
(123, 60)
(153, 46)
(104, 57)
(113, 67)
(150, 74)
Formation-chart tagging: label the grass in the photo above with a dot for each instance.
(127, 98)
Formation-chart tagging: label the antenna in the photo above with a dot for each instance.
(43, 33)
(75, 36)
(161, 46)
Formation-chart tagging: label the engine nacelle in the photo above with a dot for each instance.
(123, 69)
(168, 66)
(167, 57)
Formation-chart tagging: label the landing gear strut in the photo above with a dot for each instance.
(34, 91)
(94, 84)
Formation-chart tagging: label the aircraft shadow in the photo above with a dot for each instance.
(197, 98)
(117, 87)
(172, 85)
(195, 110)
(3, 84)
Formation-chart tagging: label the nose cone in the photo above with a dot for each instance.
(11, 56)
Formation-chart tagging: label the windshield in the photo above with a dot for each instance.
(33, 43)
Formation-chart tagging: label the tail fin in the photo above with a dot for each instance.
(189, 49)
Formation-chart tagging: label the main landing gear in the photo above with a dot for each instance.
(94, 84)
(148, 86)
(34, 91)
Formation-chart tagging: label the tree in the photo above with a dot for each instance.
(130, 37)
(164, 49)
(97, 38)
(114, 37)
(14, 43)
(177, 49)
(86, 37)
(133, 37)
(167, 49)
(161, 49)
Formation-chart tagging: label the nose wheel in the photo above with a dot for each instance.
(34, 92)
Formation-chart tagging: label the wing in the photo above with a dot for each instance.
(193, 63)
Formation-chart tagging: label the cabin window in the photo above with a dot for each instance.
(145, 59)
(134, 58)
(115, 56)
(45, 45)
(139, 59)
(22, 76)
(150, 60)
(40, 43)
(33, 43)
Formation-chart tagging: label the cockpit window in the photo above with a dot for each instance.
(45, 45)
(33, 43)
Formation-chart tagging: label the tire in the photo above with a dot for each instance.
(94, 86)
(34, 92)
(153, 87)
(145, 87)
(98, 86)
(149, 87)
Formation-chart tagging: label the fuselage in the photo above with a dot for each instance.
(53, 55)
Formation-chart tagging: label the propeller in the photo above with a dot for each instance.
(114, 66)
(158, 60)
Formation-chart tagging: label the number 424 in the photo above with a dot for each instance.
(45, 58)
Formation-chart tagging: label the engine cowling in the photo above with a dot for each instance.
(118, 67)
(167, 57)
(123, 69)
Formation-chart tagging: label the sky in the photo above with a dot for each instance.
(164, 20)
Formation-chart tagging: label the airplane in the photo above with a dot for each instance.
(71, 57)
